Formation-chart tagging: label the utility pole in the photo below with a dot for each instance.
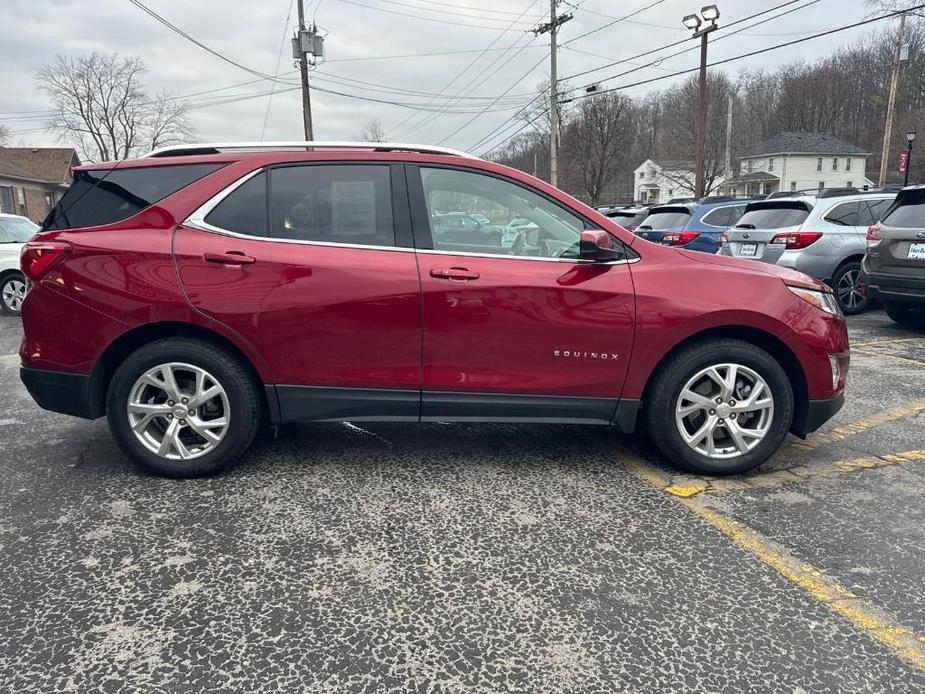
(728, 170)
(888, 127)
(552, 28)
(701, 30)
(303, 70)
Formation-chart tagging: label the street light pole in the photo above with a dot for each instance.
(702, 30)
(910, 138)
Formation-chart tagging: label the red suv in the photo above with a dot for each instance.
(192, 293)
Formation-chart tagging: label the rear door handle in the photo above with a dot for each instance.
(454, 274)
(229, 258)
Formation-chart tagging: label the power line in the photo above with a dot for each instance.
(480, 8)
(448, 12)
(417, 55)
(140, 5)
(406, 121)
(279, 57)
(426, 19)
(617, 19)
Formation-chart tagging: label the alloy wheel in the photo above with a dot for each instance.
(850, 289)
(724, 411)
(178, 411)
(14, 291)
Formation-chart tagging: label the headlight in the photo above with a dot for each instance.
(824, 301)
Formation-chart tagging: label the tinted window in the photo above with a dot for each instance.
(908, 211)
(15, 230)
(845, 214)
(349, 203)
(721, 216)
(669, 219)
(244, 210)
(106, 196)
(552, 231)
(875, 210)
(774, 217)
(629, 220)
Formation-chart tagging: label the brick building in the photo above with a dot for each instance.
(33, 179)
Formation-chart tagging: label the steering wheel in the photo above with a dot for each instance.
(520, 241)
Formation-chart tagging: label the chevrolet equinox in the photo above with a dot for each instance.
(195, 292)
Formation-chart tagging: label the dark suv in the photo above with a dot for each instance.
(192, 293)
(895, 260)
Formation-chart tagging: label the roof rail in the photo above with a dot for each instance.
(218, 147)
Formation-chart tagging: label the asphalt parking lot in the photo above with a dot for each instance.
(501, 558)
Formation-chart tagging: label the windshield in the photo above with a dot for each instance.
(669, 219)
(774, 216)
(16, 230)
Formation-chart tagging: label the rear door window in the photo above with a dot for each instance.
(104, 196)
(344, 203)
(774, 216)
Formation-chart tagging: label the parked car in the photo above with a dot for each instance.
(14, 232)
(628, 217)
(895, 260)
(515, 227)
(695, 226)
(189, 294)
(822, 236)
(459, 225)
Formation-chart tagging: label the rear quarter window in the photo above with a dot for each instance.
(104, 196)
(774, 216)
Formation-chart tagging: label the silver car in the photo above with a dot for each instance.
(823, 236)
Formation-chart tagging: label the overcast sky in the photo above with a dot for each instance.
(362, 35)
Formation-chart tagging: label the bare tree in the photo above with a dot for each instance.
(4, 136)
(372, 131)
(598, 139)
(101, 104)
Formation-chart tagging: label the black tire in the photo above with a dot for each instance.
(673, 375)
(905, 313)
(8, 290)
(850, 290)
(244, 404)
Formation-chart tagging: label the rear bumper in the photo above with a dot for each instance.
(817, 413)
(895, 287)
(60, 392)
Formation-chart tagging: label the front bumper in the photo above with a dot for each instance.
(61, 392)
(817, 413)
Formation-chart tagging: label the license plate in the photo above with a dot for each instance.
(749, 249)
(917, 251)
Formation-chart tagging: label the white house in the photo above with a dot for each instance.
(800, 161)
(660, 180)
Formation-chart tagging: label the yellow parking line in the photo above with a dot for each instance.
(846, 430)
(885, 341)
(877, 353)
(904, 642)
(686, 486)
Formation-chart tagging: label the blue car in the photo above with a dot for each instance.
(692, 225)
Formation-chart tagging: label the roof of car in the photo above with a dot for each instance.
(220, 147)
(6, 215)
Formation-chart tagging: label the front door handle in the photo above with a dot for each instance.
(229, 258)
(454, 274)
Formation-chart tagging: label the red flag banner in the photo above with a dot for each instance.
(903, 160)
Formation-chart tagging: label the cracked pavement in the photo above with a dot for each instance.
(440, 558)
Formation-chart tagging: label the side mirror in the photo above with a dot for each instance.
(597, 245)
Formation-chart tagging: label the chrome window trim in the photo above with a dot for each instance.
(196, 220)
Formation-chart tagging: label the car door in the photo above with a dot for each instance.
(526, 331)
(313, 265)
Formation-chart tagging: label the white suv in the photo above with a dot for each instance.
(14, 232)
(822, 235)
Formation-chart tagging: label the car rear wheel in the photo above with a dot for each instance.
(905, 313)
(12, 293)
(182, 407)
(850, 289)
(720, 407)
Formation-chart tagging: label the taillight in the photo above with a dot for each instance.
(679, 238)
(38, 257)
(795, 240)
(873, 235)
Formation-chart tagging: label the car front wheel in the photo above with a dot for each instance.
(720, 407)
(182, 407)
(12, 293)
